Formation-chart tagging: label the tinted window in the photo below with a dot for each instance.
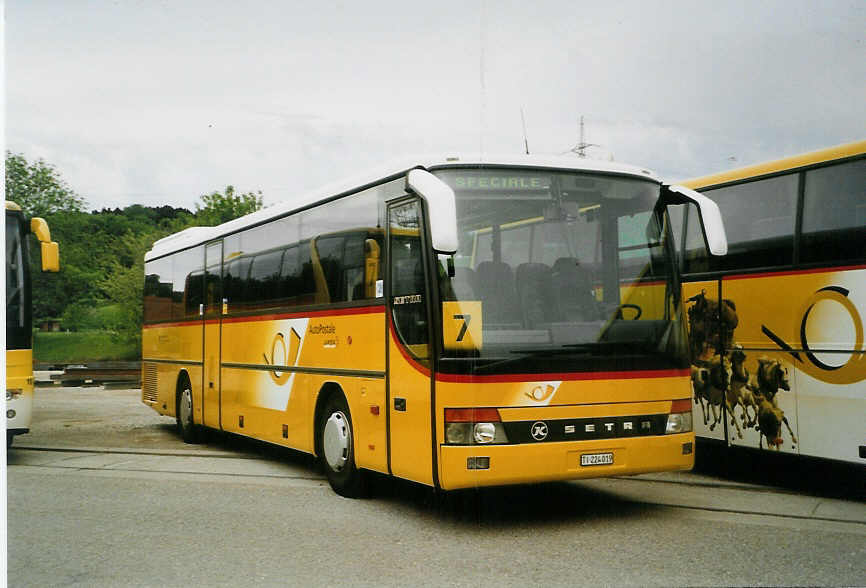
(186, 280)
(330, 251)
(264, 283)
(759, 221)
(235, 277)
(157, 290)
(297, 275)
(834, 214)
(353, 266)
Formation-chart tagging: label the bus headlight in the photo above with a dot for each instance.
(457, 433)
(473, 426)
(484, 432)
(680, 417)
(13, 393)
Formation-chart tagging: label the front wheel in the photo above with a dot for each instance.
(185, 424)
(337, 449)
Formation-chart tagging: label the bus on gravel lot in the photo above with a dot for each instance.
(780, 363)
(19, 321)
(457, 323)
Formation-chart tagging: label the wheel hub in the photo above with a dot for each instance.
(337, 439)
(186, 407)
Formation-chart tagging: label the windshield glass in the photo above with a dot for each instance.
(558, 271)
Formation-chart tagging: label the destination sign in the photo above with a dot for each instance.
(501, 182)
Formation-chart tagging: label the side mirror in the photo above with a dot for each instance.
(442, 206)
(50, 257)
(49, 249)
(711, 218)
(39, 227)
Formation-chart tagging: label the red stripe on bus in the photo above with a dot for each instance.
(311, 314)
(274, 316)
(565, 377)
(817, 270)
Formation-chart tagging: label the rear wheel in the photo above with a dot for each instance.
(188, 430)
(337, 449)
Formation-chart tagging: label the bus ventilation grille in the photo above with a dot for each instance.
(148, 384)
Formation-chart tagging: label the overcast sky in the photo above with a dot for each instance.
(156, 103)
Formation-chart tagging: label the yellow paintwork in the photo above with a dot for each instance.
(411, 430)
(605, 395)
(546, 462)
(269, 400)
(19, 376)
(779, 165)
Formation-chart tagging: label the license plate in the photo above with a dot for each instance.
(594, 459)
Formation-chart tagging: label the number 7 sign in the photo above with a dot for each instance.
(461, 325)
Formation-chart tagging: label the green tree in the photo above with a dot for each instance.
(38, 188)
(217, 208)
(124, 284)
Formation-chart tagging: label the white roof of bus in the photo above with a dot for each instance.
(198, 235)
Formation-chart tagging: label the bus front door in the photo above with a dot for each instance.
(410, 419)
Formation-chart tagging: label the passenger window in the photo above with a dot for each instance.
(834, 214)
(157, 290)
(330, 250)
(264, 282)
(759, 222)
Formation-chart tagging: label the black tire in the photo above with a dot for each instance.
(9, 437)
(336, 449)
(188, 430)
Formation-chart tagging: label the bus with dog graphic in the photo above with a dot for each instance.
(456, 322)
(776, 326)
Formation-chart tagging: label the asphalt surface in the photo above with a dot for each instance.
(104, 492)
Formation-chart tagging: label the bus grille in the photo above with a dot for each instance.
(148, 384)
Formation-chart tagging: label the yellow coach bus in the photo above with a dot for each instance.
(457, 323)
(780, 362)
(19, 321)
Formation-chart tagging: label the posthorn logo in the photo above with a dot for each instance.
(539, 431)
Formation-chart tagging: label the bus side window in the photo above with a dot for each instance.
(330, 250)
(759, 221)
(834, 214)
(353, 267)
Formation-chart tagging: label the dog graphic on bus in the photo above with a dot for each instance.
(722, 378)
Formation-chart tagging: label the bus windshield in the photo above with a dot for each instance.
(565, 268)
(17, 287)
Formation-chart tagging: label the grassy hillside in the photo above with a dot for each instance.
(83, 347)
